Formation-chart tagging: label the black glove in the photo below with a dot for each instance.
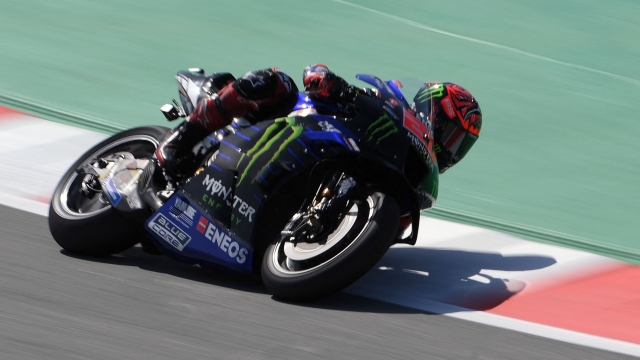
(321, 82)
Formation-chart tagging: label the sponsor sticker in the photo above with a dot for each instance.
(215, 188)
(327, 126)
(448, 108)
(182, 211)
(225, 243)
(202, 224)
(390, 111)
(169, 232)
(381, 129)
(352, 144)
(415, 126)
(113, 193)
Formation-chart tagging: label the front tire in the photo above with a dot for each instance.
(305, 272)
(91, 226)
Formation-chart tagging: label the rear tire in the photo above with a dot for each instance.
(317, 270)
(88, 226)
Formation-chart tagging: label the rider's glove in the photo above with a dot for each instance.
(370, 92)
(321, 82)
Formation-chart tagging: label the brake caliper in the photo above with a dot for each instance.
(327, 209)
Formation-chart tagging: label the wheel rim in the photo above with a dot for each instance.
(304, 257)
(73, 205)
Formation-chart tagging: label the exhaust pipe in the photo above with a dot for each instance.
(147, 188)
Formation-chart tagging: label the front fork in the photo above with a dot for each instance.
(327, 208)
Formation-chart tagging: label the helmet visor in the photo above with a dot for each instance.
(455, 139)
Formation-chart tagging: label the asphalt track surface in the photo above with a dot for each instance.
(136, 306)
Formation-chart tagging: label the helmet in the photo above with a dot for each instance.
(457, 120)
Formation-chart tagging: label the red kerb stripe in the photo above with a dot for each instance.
(6, 113)
(607, 304)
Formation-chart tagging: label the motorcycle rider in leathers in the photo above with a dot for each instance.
(270, 93)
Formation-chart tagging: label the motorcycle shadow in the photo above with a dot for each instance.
(443, 280)
(221, 276)
(421, 277)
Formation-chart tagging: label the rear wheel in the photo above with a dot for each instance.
(310, 270)
(88, 224)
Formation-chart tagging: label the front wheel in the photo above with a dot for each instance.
(310, 270)
(89, 225)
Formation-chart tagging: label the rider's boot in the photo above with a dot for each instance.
(175, 149)
(213, 113)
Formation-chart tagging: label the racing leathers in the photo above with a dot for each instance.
(257, 95)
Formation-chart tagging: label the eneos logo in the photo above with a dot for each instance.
(231, 247)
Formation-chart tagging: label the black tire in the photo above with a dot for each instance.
(87, 226)
(359, 243)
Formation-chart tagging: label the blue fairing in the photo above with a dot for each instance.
(181, 227)
(336, 137)
(398, 93)
(371, 80)
(305, 102)
(389, 87)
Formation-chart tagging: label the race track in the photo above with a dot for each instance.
(531, 253)
(138, 306)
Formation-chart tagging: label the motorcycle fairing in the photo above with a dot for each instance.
(305, 102)
(215, 214)
(419, 128)
(388, 88)
(214, 190)
(184, 229)
(256, 162)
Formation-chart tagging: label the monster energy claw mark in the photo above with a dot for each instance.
(274, 133)
(436, 90)
(381, 129)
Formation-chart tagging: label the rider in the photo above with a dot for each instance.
(270, 93)
(258, 95)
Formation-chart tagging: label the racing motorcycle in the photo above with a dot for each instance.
(309, 202)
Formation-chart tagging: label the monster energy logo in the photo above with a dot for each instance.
(274, 133)
(381, 129)
(436, 90)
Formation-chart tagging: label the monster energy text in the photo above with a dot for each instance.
(217, 189)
